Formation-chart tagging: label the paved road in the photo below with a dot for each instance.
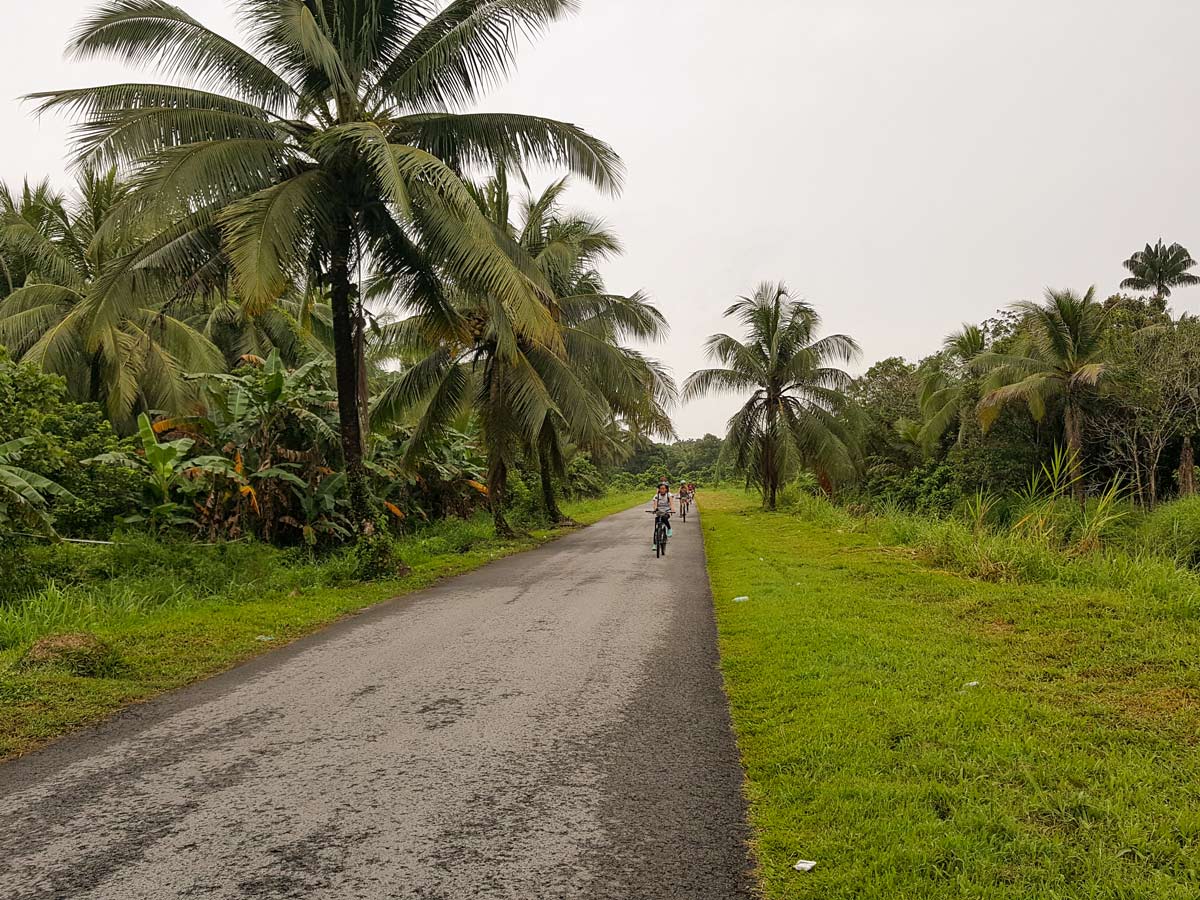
(550, 726)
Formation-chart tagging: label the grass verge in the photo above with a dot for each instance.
(924, 735)
(170, 628)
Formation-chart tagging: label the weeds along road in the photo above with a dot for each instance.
(549, 726)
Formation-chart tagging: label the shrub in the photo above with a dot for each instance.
(929, 489)
(583, 478)
(624, 482)
(375, 557)
(62, 434)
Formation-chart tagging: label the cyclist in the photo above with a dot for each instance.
(662, 504)
(685, 497)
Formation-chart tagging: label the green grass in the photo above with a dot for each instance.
(1071, 771)
(175, 615)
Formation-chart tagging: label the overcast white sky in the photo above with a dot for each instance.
(905, 166)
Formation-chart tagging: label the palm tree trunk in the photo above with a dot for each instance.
(1153, 486)
(360, 365)
(495, 444)
(346, 369)
(770, 463)
(1074, 436)
(1187, 469)
(547, 478)
(497, 479)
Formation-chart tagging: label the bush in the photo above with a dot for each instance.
(1173, 530)
(624, 482)
(927, 489)
(375, 557)
(64, 434)
(583, 478)
(524, 500)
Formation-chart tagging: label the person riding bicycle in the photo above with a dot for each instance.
(662, 504)
(684, 495)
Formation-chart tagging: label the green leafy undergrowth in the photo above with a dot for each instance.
(921, 734)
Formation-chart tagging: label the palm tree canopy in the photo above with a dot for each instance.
(797, 391)
(340, 113)
(116, 340)
(1059, 351)
(966, 343)
(574, 387)
(1160, 268)
(942, 387)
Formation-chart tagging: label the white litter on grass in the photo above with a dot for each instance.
(805, 865)
(265, 637)
(740, 599)
(760, 559)
(971, 684)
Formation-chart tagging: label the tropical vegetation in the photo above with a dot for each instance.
(301, 322)
(794, 418)
(277, 275)
(308, 328)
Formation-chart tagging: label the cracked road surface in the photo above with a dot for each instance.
(549, 726)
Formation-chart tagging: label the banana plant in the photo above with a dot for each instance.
(318, 506)
(272, 431)
(24, 494)
(167, 465)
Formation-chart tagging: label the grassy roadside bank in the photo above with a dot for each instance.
(923, 735)
(167, 637)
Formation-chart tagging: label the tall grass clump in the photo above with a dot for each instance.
(958, 544)
(100, 588)
(69, 587)
(800, 498)
(1012, 557)
(1040, 534)
(446, 536)
(1173, 530)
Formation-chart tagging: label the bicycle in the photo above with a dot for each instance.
(684, 506)
(661, 526)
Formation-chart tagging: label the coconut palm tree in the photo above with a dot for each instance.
(547, 394)
(944, 387)
(130, 352)
(471, 363)
(1160, 268)
(331, 146)
(797, 396)
(1059, 356)
(567, 248)
(24, 214)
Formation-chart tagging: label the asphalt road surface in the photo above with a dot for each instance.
(549, 726)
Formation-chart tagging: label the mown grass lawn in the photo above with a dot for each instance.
(180, 643)
(922, 735)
